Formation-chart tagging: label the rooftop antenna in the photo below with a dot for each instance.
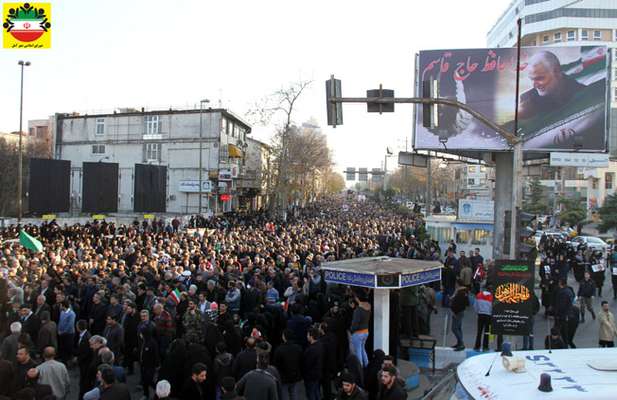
(220, 98)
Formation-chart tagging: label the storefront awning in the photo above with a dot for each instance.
(234, 151)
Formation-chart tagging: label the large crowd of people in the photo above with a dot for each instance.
(237, 308)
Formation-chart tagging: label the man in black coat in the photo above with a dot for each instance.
(30, 323)
(260, 383)
(194, 388)
(288, 360)
(563, 305)
(129, 322)
(83, 352)
(330, 345)
(246, 360)
(110, 389)
(312, 365)
(97, 315)
(390, 389)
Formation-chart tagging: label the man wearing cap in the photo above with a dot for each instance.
(350, 390)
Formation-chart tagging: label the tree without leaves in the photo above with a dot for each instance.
(282, 102)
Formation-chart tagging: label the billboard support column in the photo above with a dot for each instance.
(503, 199)
(429, 184)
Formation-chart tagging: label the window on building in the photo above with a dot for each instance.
(100, 126)
(594, 183)
(224, 152)
(608, 180)
(571, 36)
(557, 37)
(463, 236)
(229, 128)
(41, 131)
(545, 38)
(480, 237)
(615, 93)
(471, 181)
(482, 168)
(98, 149)
(472, 169)
(153, 151)
(153, 124)
(597, 35)
(584, 35)
(31, 132)
(223, 125)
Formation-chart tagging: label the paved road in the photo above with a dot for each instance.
(586, 334)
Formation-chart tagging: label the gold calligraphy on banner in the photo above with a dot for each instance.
(512, 293)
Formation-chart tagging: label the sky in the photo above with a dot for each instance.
(156, 54)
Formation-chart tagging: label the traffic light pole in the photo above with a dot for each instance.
(513, 141)
(510, 138)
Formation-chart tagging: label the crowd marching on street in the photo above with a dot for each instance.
(239, 308)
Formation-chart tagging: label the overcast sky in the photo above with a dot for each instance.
(109, 54)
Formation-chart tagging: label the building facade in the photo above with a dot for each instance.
(564, 23)
(171, 138)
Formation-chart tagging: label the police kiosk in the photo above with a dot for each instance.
(382, 274)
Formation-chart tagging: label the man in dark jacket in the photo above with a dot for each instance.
(448, 277)
(349, 389)
(260, 383)
(194, 388)
(390, 388)
(228, 389)
(115, 335)
(586, 290)
(299, 324)
(312, 365)
(563, 304)
(97, 315)
(112, 390)
(246, 360)
(129, 322)
(288, 360)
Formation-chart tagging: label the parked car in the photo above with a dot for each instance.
(592, 242)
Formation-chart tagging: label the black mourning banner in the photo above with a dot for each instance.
(100, 187)
(49, 188)
(150, 188)
(512, 303)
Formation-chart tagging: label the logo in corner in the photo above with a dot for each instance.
(26, 25)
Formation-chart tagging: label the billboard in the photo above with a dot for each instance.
(513, 297)
(478, 210)
(562, 101)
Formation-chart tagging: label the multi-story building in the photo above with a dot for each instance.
(256, 176)
(172, 138)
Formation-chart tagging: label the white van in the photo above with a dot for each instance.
(576, 374)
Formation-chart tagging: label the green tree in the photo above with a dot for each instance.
(573, 212)
(608, 213)
(536, 203)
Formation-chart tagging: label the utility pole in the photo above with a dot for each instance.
(517, 156)
(20, 156)
(201, 147)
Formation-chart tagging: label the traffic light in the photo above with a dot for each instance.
(430, 112)
(335, 110)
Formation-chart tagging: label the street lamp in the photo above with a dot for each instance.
(22, 64)
(201, 145)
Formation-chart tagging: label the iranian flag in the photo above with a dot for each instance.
(175, 296)
(590, 67)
